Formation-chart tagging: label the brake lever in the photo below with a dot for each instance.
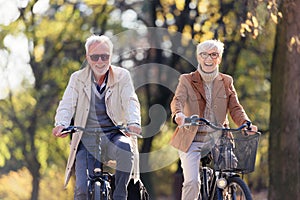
(68, 130)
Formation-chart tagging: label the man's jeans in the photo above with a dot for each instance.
(115, 146)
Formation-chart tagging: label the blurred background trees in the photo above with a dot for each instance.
(284, 152)
(44, 43)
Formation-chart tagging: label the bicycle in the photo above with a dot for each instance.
(233, 154)
(100, 182)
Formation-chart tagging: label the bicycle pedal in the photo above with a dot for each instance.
(97, 170)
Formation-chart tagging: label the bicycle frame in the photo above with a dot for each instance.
(99, 182)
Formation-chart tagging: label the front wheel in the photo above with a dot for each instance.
(236, 189)
(97, 191)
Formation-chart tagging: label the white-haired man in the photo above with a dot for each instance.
(99, 95)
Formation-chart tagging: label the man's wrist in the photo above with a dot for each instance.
(59, 124)
(133, 124)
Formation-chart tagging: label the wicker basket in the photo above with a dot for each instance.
(236, 152)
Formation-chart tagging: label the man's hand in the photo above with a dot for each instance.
(135, 128)
(56, 131)
(179, 118)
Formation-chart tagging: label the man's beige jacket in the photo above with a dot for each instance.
(121, 101)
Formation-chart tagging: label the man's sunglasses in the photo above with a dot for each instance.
(95, 57)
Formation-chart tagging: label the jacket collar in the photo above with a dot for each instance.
(86, 74)
(197, 83)
(112, 76)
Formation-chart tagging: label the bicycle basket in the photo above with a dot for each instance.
(236, 152)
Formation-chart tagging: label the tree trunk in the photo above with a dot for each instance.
(35, 187)
(34, 168)
(284, 151)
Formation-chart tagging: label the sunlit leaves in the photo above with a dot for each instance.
(53, 28)
(159, 19)
(173, 28)
(180, 4)
(38, 53)
(4, 151)
(250, 26)
(274, 12)
(170, 18)
(95, 2)
(294, 42)
(187, 36)
(203, 6)
(196, 17)
(257, 16)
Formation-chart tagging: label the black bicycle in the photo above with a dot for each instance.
(233, 152)
(99, 182)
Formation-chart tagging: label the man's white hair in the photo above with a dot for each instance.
(98, 38)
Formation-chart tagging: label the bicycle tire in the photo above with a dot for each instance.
(97, 191)
(236, 189)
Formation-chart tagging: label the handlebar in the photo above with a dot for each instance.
(73, 129)
(195, 120)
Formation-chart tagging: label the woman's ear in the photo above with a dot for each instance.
(219, 60)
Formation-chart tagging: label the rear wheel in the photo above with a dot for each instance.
(236, 189)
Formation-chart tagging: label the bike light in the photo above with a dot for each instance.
(221, 183)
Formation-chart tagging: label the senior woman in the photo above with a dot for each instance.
(211, 95)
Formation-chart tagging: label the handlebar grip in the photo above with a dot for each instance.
(187, 120)
(191, 119)
(248, 125)
(130, 132)
(68, 130)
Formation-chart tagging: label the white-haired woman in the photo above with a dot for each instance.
(211, 95)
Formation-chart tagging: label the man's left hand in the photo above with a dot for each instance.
(135, 128)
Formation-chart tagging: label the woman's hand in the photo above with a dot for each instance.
(179, 118)
(252, 130)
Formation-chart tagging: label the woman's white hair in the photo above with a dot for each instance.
(209, 45)
(98, 38)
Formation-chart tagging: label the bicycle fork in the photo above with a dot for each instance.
(207, 184)
(212, 184)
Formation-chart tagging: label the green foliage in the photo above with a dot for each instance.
(164, 175)
(5, 154)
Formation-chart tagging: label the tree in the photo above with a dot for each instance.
(284, 152)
